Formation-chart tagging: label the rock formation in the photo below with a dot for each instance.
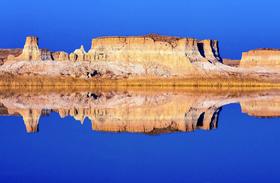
(73, 57)
(143, 57)
(153, 51)
(4, 53)
(264, 58)
(231, 62)
(81, 54)
(30, 52)
(60, 56)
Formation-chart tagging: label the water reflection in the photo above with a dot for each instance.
(151, 112)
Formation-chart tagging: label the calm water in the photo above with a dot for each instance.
(140, 136)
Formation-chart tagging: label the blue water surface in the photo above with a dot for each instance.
(242, 149)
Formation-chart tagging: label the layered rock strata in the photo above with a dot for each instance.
(143, 57)
(231, 62)
(172, 54)
(264, 58)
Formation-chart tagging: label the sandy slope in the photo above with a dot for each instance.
(107, 69)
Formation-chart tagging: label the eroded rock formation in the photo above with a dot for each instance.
(81, 54)
(4, 53)
(60, 56)
(143, 57)
(264, 58)
(153, 51)
(30, 51)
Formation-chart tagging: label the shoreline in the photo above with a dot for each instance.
(69, 82)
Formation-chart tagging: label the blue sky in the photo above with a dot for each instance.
(239, 25)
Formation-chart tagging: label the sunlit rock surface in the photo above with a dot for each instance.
(139, 112)
(264, 58)
(231, 62)
(170, 54)
(30, 51)
(81, 54)
(60, 56)
(139, 57)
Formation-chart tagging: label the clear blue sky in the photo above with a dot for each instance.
(239, 25)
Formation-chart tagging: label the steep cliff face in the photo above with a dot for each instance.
(266, 58)
(153, 51)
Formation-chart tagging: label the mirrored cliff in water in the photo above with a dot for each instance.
(146, 112)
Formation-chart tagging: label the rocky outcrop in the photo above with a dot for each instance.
(172, 54)
(30, 51)
(60, 56)
(143, 57)
(4, 53)
(163, 53)
(264, 58)
(80, 54)
(73, 57)
(210, 50)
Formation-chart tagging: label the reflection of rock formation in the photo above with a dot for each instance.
(264, 107)
(30, 117)
(206, 119)
(139, 112)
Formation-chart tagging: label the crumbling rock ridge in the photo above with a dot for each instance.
(137, 112)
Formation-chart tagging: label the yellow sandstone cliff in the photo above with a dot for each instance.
(265, 58)
(169, 53)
